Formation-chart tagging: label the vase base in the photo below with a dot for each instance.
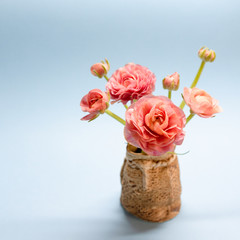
(154, 214)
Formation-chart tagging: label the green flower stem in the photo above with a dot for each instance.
(191, 115)
(195, 81)
(169, 94)
(125, 106)
(105, 76)
(115, 116)
(182, 104)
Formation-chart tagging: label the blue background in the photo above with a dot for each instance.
(59, 177)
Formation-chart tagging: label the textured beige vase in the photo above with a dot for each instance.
(151, 187)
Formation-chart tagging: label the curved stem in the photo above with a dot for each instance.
(115, 116)
(195, 81)
(125, 105)
(191, 115)
(105, 76)
(182, 104)
(169, 94)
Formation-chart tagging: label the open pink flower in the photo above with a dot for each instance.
(95, 102)
(155, 125)
(131, 82)
(200, 102)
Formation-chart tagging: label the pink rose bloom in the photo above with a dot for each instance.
(155, 125)
(95, 102)
(131, 82)
(200, 102)
(171, 82)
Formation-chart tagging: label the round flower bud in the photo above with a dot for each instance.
(171, 82)
(100, 69)
(206, 54)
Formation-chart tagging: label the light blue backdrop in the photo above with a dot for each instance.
(59, 177)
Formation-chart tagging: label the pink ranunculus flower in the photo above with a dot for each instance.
(155, 125)
(131, 82)
(95, 102)
(200, 102)
(171, 82)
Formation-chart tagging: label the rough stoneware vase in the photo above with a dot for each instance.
(151, 187)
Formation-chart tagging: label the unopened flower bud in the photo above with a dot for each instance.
(100, 69)
(171, 82)
(206, 54)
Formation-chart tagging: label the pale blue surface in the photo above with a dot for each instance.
(59, 177)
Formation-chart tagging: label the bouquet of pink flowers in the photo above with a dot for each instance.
(153, 124)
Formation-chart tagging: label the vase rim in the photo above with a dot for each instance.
(131, 155)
